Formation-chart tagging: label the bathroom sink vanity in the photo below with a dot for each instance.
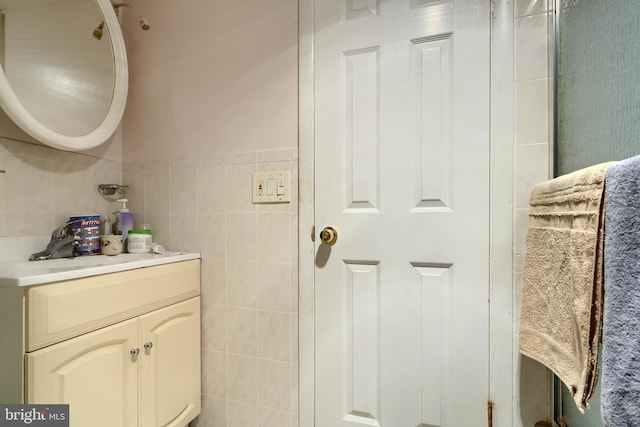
(117, 338)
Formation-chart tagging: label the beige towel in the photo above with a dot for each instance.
(561, 317)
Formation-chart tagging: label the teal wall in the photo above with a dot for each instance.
(597, 104)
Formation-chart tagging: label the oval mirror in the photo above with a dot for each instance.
(64, 70)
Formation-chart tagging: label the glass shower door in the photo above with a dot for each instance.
(597, 108)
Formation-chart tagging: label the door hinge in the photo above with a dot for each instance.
(490, 414)
(313, 233)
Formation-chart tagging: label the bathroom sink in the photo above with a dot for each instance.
(16, 270)
(86, 261)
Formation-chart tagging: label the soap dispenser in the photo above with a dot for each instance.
(124, 220)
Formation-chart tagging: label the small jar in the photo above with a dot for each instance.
(139, 241)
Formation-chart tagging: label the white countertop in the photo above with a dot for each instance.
(16, 270)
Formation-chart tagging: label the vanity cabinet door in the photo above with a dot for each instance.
(170, 365)
(94, 373)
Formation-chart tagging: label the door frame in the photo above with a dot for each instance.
(502, 345)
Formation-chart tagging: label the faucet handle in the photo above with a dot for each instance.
(61, 245)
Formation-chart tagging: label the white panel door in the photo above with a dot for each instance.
(402, 172)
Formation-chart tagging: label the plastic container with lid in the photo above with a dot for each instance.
(139, 241)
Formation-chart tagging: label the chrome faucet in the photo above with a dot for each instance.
(61, 245)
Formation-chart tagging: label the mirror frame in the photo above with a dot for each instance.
(12, 106)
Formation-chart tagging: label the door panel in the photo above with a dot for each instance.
(431, 62)
(170, 372)
(402, 172)
(93, 373)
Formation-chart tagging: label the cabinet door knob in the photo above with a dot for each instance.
(134, 352)
(148, 345)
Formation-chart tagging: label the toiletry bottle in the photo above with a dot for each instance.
(106, 225)
(115, 226)
(124, 220)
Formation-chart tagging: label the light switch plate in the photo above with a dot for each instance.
(271, 187)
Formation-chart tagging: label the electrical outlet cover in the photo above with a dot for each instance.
(271, 187)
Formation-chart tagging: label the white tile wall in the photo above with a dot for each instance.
(42, 187)
(532, 118)
(249, 278)
(531, 166)
(531, 55)
(530, 7)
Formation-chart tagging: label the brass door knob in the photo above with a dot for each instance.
(329, 235)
